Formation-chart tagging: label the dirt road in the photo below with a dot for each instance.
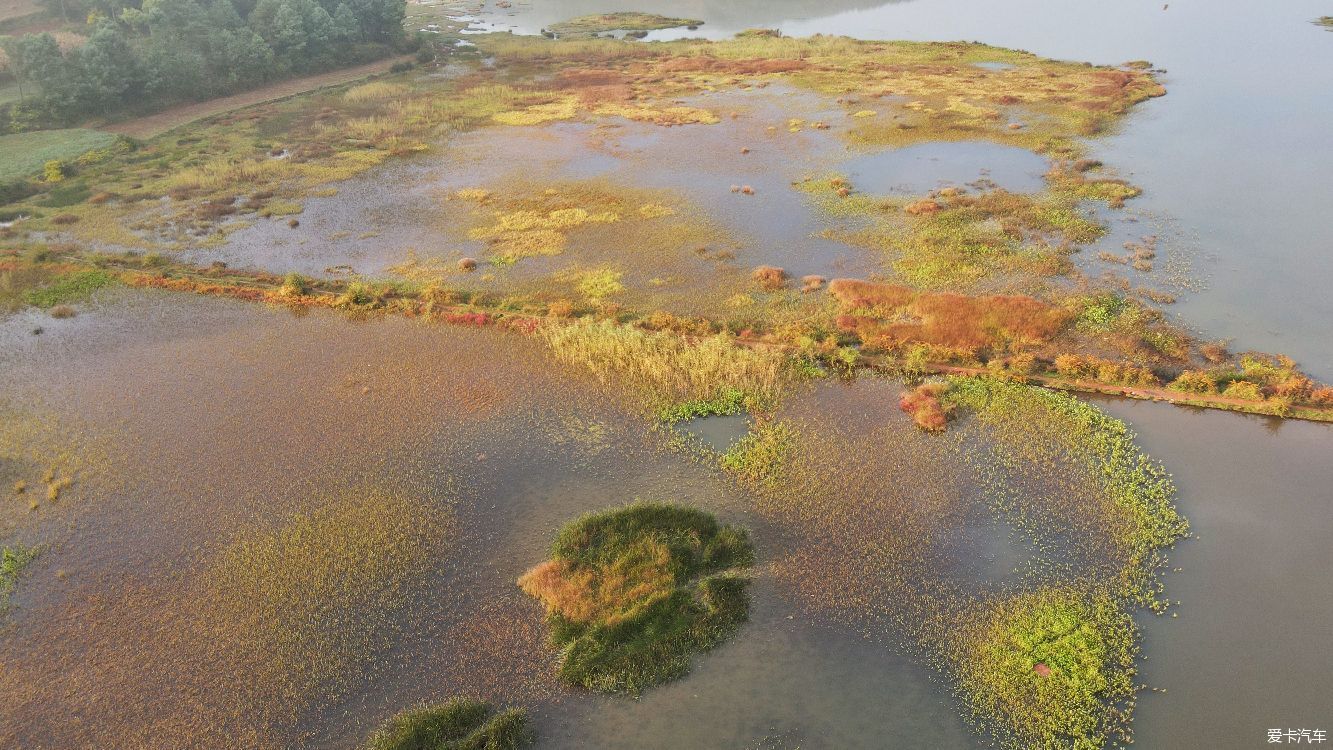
(156, 124)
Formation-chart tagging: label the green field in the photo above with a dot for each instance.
(22, 154)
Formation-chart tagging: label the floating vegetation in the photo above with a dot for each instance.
(297, 605)
(12, 562)
(459, 724)
(759, 456)
(540, 222)
(728, 401)
(1137, 493)
(1049, 669)
(633, 593)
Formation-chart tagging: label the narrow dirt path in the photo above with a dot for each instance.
(156, 124)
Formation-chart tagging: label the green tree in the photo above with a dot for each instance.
(346, 28)
(110, 73)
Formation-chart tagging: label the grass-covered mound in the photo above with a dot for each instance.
(460, 724)
(25, 154)
(632, 593)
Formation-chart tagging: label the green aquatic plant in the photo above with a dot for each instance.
(305, 600)
(459, 724)
(70, 287)
(1136, 488)
(1049, 669)
(624, 21)
(1054, 667)
(728, 401)
(633, 593)
(12, 562)
(759, 456)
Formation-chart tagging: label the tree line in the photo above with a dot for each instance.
(144, 57)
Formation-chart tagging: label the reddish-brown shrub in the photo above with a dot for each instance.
(923, 404)
(924, 207)
(561, 308)
(769, 278)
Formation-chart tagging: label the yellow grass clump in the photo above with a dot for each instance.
(665, 366)
(374, 91)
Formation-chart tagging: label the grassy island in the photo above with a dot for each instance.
(632, 22)
(632, 594)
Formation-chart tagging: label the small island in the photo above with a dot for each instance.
(632, 593)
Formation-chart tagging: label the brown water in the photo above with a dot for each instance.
(216, 416)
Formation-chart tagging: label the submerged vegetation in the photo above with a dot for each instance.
(459, 724)
(632, 594)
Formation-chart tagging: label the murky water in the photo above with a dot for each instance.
(217, 416)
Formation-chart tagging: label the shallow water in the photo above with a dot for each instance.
(919, 169)
(716, 433)
(218, 416)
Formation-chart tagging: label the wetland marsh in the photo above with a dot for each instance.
(753, 378)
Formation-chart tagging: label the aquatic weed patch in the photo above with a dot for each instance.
(760, 456)
(1041, 655)
(74, 286)
(726, 402)
(1053, 668)
(633, 593)
(12, 562)
(625, 21)
(458, 724)
(301, 604)
(1135, 511)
